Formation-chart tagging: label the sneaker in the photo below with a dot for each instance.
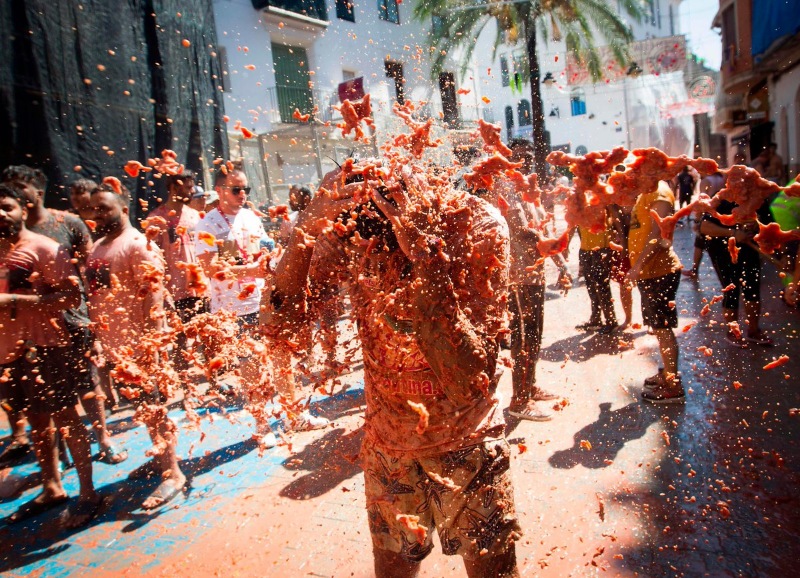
(589, 326)
(760, 339)
(739, 342)
(269, 441)
(656, 379)
(307, 422)
(531, 412)
(608, 328)
(665, 394)
(544, 395)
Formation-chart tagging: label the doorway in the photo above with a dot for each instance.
(447, 90)
(291, 81)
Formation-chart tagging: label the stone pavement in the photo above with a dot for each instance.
(708, 489)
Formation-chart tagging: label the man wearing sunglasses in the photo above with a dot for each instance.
(227, 245)
(237, 231)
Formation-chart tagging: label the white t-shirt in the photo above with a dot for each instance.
(240, 236)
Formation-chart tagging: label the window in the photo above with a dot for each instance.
(524, 113)
(577, 101)
(447, 90)
(509, 123)
(394, 70)
(439, 26)
(291, 81)
(389, 11)
(516, 72)
(652, 4)
(344, 10)
(730, 47)
(504, 70)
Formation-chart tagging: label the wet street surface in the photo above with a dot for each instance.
(610, 486)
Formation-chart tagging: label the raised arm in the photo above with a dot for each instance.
(459, 293)
(457, 326)
(284, 306)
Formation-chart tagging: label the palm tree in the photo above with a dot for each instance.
(459, 23)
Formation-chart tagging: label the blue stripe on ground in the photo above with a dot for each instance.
(222, 467)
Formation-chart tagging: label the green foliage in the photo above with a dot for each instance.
(577, 22)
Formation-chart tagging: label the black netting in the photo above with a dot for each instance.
(81, 79)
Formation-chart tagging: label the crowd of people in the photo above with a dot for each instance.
(431, 270)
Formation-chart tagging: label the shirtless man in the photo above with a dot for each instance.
(710, 186)
(428, 290)
(770, 164)
(70, 232)
(37, 284)
(125, 305)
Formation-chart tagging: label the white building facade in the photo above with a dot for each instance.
(632, 110)
(285, 54)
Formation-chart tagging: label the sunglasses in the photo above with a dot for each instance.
(237, 190)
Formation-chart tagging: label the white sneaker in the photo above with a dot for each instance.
(307, 422)
(269, 441)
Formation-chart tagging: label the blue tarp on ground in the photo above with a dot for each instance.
(773, 20)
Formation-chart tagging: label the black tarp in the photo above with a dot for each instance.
(80, 79)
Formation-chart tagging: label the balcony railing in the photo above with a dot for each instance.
(316, 9)
(283, 100)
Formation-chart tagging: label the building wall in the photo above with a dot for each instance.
(603, 125)
(360, 48)
(785, 112)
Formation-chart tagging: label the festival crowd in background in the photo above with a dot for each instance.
(89, 300)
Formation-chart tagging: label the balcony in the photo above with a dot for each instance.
(283, 100)
(316, 9)
(305, 15)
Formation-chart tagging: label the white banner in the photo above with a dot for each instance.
(655, 56)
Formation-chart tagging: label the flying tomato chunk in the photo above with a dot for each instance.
(114, 183)
(782, 360)
(424, 416)
(352, 115)
(301, 117)
(733, 250)
(490, 133)
(247, 291)
(133, 168)
(412, 524)
(207, 238)
(279, 211)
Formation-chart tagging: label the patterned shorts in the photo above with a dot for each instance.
(466, 494)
